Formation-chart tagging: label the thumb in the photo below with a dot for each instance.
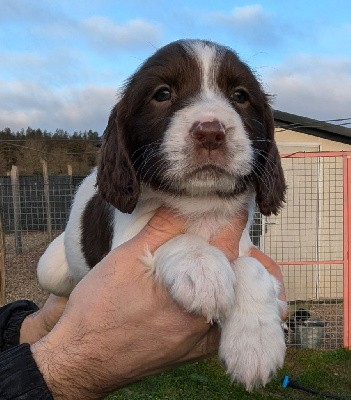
(163, 226)
(227, 239)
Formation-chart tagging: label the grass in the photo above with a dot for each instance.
(326, 371)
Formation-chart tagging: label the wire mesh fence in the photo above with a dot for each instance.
(26, 240)
(307, 239)
(33, 212)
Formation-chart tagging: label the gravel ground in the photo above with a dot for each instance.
(21, 278)
(21, 283)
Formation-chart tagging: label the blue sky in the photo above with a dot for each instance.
(62, 62)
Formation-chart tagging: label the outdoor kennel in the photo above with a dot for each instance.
(310, 239)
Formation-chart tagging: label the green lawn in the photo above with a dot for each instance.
(327, 371)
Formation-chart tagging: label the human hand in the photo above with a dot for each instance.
(273, 268)
(228, 239)
(119, 325)
(39, 324)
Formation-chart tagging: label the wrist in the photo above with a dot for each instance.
(47, 364)
(67, 370)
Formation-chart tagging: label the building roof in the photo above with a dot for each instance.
(312, 127)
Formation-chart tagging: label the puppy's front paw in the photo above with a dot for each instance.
(197, 275)
(252, 340)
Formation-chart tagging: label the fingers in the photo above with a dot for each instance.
(273, 268)
(52, 311)
(270, 265)
(207, 346)
(58, 302)
(167, 223)
(167, 220)
(40, 323)
(228, 238)
(163, 226)
(53, 308)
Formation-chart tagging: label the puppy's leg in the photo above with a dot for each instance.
(252, 341)
(197, 275)
(52, 271)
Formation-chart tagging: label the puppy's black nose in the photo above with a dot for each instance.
(209, 134)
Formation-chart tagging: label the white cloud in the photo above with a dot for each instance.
(25, 10)
(40, 106)
(106, 34)
(56, 66)
(248, 14)
(19, 60)
(252, 24)
(62, 87)
(316, 87)
(312, 86)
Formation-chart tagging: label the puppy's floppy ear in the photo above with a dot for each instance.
(270, 186)
(116, 178)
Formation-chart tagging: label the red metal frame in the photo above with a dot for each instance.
(347, 250)
(346, 262)
(303, 154)
(312, 262)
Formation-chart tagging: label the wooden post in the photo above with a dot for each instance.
(47, 198)
(16, 208)
(69, 170)
(70, 174)
(2, 262)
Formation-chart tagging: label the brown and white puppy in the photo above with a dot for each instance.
(193, 130)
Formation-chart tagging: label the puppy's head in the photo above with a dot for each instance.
(193, 120)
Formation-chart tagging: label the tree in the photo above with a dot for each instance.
(25, 148)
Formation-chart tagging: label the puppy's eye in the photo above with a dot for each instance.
(163, 94)
(240, 96)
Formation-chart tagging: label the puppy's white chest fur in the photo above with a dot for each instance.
(204, 216)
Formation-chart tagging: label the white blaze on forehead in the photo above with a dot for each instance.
(208, 104)
(207, 56)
